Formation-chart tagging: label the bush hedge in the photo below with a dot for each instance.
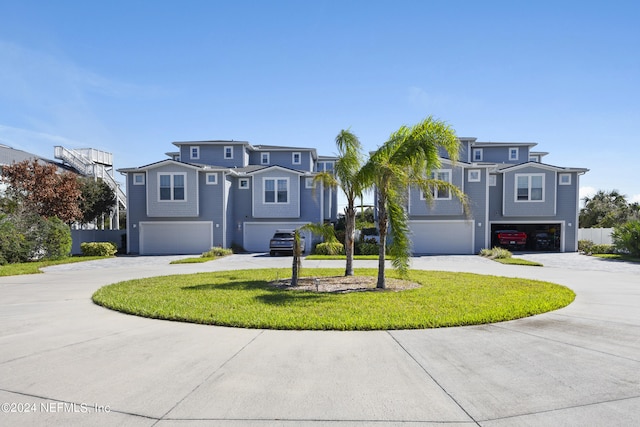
(98, 248)
(329, 248)
(217, 251)
(626, 238)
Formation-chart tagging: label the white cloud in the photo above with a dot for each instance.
(587, 192)
(635, 199)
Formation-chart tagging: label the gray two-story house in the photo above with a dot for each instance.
(224, 193)
(509, 187)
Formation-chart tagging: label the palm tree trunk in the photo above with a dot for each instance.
(350, 218)
(382, 226)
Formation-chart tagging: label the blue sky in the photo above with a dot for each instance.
(130, 77)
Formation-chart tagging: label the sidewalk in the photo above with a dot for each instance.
(65, 361)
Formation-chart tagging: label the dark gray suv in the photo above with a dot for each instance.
(282, 241)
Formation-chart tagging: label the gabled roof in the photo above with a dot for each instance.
(211, 142)
(503, 144)
(166, 162)
(511, 168)
(253, 170)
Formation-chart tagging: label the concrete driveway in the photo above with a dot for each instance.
(65, 361)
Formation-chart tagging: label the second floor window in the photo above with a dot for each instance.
(264, 158)
(228, 152)
(477, 154)
(440, 193)
(172, 186)
(195, 152)
(296, 158)
(276, 190)
(530, 188)
(513, 153)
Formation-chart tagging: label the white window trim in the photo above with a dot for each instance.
(215, 178)
(517, 153)
(529, 176)
(433, 175)
(308, 182)
(197, 150)
(564, 175)
(275, 179)
(535, 159)
(293, 158)
(472, 172)
(240, 181)
(173, 174)
(477, 151)
(493, 179)
(230, 148)
(135, 179)
(264, 156)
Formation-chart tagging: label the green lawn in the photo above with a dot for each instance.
(617, 257)
(35, 266)
(343, 257)
(517, 261)
(243, 299)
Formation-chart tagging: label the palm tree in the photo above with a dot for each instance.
(405, 160)
(345, 176)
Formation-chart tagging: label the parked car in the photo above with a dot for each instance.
(511, 238)
(543, 240)
(282, 241)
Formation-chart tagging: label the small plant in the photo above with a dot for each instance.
(585, 246)
(98, 248)
(329, 248)
(216, 251)
(602, 249)
(496, 253)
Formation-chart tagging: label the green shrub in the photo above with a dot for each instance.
(56, 239)
(216, 252)
(98, 248)
(603, 249)
(329, 248)
(367, 248)
(496, 253)
(585, 246)
(626, 238)
(15, 247)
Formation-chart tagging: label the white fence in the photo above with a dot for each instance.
(599, 236)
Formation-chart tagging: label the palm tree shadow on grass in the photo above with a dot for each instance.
(274, 295)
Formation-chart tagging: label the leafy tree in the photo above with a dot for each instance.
(42, 190)
(605, 209)
(405, 160)
(97, 199)
(347, 167)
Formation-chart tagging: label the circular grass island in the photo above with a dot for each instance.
(258, 299)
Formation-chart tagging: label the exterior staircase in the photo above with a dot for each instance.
(97, 164)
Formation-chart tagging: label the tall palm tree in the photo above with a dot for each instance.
(345, 176)
(405, 160)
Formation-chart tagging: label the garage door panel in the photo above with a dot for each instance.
(175, 238)
(442, 237)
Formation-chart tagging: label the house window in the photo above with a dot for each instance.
(530, 188)
(513, 153)
(296, 158)
(492, 180)
(212, 178)
(194, 152)
(228, 152)
(243, 183)
(264, 158)
(477, 154)
(276, 190)
(565, 179)
(138, 179)
(474, 175)
(439, 193)
(172, 186)
(534, 159)
(308, 183)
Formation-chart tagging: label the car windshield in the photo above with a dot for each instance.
(283, 236)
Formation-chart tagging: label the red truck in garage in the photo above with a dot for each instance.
(511, 238)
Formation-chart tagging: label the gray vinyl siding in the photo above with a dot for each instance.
(214, 155)
(513, 208)
(477, 201)
(495, 199)
(568, 198)
(501, 154)
(212, 206)
(419, 207)
(284, 158)
(309, 203)
(136, 212)
(241, 200)
(174, 208)
(291, 209)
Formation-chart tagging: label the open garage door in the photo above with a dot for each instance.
(256, 235)
(442, 237)
(175, 238)
(540, 236)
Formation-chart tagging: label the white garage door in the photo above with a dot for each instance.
(256, 235)
(442, 237)
(175, 238)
